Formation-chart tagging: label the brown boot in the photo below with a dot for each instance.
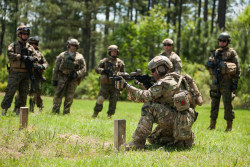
(229, 126)
(95, 114)
(212, 124)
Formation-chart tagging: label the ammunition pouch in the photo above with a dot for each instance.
(68, 65)
(228, 68)
(181, 101)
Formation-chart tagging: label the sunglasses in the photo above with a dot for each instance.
(222, 40)
(74, 45)
(33, 43)
(24, 33)
(167, 44)
(153, 70)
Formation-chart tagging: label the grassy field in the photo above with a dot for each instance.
(79, 140)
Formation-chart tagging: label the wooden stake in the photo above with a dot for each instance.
(119, 133)
(23, 117)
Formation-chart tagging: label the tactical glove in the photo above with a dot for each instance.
(55, 83)
(74, 75)
(106, 72)
(121, 83)
(39, 67)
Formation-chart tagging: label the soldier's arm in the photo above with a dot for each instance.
(82, 69)
(177, 64)
(139, 95)
(11, 54)
(100, 67)
(56, 68)
(237, 62)
(45, 64)
(123, 67)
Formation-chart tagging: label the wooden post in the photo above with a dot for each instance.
(23, 117)
(119, 133)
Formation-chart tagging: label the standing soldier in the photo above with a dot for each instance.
(224, 67)
(69, 69)
(106, 68)
(21, 57)
(36, 84)
(168, 46)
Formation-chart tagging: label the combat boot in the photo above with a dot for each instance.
(17, 110)
(97, 109)
(4, 111)
(109, 116)
(229, 126)
(32, 105)
(212, 124)
(95, 114)
(135, 145)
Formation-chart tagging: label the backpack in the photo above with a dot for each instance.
(193, 93)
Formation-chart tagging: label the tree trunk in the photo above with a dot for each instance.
(3, 23)
(131, 9)
(93, 44)
(179, 29)
(205, 10)
(106, 30)
(212, 21)
(199, 9)
(168, 14)
(222, 14)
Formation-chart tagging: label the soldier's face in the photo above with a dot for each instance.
(24, 35)
(167, 47)
(113, 53)
(223, 43)
(155, 75)
(72, 48)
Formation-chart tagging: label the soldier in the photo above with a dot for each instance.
(174, 121)
(168, 46)
(224, 67)
(106, 68)
(69, 69)
(36, 84)
(21, 55)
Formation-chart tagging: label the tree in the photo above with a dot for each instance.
(222, 14)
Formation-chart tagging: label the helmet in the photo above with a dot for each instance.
(159, 60)
(22, 28)
(34, 39)
(73, 42)
(224, 35)
(113, 47)
(168, 41)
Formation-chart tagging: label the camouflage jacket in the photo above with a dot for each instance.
(66, 64)
(41, 59)
(229, 55)
(175, 59)
(117, 65)
(161, 92)
(14, 55)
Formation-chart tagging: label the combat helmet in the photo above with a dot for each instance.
(73, 41)
(159, 60)
(34, 40)
(224, 35)
(168, 41)
(22, 28)
(114, 48)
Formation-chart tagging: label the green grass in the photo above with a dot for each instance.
(79, 140)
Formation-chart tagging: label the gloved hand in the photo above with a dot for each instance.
(121, 83)
(39, 67)
(74, 75)
(106, 72)
(55, 83)
(29, 58)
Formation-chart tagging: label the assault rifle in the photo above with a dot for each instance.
(31, 64)
(145, 79)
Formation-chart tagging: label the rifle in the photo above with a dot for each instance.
(145, 79)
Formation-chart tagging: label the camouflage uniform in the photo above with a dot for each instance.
(18, 77)
(159, 108)
(225, 86)
(175, 59)
(65, 65)
(107, 87)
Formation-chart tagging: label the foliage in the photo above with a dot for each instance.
(79, 140)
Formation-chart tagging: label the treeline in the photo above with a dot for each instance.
(136, 26)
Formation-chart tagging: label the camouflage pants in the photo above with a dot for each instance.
(34, 92)
(67, 89)
(108, 91)
(17, 81)
(226, 93)
(163, 134)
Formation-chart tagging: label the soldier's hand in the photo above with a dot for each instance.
(39, 67)
(74, 75)
(105, 72)
(55, 83)
(121, 83)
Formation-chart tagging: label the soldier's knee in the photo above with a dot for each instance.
(100, 100)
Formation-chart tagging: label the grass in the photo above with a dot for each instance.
(79, 140)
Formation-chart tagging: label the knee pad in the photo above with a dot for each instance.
(100, 100)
